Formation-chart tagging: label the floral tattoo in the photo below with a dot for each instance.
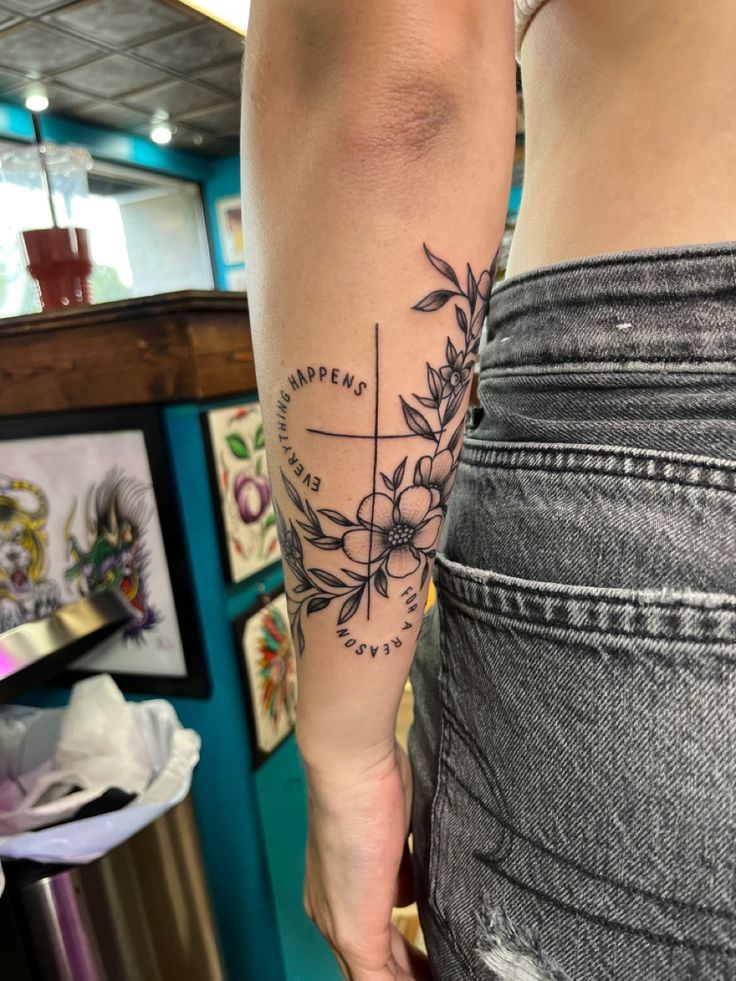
(394, 531)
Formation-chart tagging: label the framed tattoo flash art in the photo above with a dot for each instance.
(269, 672)
(85, 505)
(230, 227)
(344, 562)
(247, 520)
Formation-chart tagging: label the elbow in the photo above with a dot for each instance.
(379, 91)
(397, 124)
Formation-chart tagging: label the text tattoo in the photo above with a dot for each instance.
(392, 536)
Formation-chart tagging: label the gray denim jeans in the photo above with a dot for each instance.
(574, 745)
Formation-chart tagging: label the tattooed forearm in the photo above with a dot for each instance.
(343, 564)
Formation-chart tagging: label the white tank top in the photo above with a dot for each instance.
(524, 10)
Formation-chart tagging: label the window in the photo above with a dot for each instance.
(147, 235)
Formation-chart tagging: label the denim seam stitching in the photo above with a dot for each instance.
(663, 939)
(634, 454)
(433, 881)
(615, 358)
(557, 306)
(578, 867)
(656, 259)
(597, 471)
(535, 590)
(474, 612)
(437, 825)
(606, 366)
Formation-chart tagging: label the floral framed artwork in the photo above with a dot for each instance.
(268, 669)
(86, 504)
(240, 477)
(230, 227)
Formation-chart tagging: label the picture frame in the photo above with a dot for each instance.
(109, 519)
(230, 228)
(241, 489)
(267, 662)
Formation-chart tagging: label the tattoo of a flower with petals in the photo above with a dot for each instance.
(395, 530)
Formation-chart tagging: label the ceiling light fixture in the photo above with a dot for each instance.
(161, 133)
(231, 13)
(37, 102)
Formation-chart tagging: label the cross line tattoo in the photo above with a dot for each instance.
(392, 536)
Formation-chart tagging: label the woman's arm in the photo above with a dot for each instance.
(378, 144)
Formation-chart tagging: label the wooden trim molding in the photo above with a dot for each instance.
(177, 347)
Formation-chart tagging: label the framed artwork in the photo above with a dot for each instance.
(230, 227)
(268, 669)
(86, 503)
(239, 473)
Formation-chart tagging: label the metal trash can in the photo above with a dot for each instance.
(140, 913)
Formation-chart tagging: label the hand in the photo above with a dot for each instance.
(358, 867)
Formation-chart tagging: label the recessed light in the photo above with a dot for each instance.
(37, 102)
(161, 134)
(198, 139)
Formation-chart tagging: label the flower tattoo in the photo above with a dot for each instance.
(401, 531)
(395, 530)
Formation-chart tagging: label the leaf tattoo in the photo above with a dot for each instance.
(393, 533)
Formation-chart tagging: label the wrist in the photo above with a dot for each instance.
(343, 758)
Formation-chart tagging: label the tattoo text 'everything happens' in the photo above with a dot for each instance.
(297, 380)
(389, 540)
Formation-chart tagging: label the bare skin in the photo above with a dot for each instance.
(630, 139)
(378, 141)
(377, 155)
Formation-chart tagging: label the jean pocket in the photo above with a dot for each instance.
(585, 811)
(595, 515)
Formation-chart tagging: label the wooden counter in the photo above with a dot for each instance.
(174, 347)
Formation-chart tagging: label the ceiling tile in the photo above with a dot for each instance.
(61, 99)
(33, 8)
(10, 81)
(224, 120)
(121, 23)
(7, 17)
(175, 98)
(31, 47)
(112, 76)
(110, 114)
(64, 99)
(224, 77)
(188, 51)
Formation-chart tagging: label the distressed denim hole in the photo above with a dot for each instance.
(512, 954)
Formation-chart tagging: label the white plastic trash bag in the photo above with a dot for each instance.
(99, 744)
(54, 761)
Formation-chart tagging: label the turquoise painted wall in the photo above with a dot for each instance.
(225, 791)
(276, 793)
(282, 797)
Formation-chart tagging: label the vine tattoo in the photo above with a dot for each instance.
(393, 534)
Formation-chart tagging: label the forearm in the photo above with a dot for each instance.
(369, 132)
